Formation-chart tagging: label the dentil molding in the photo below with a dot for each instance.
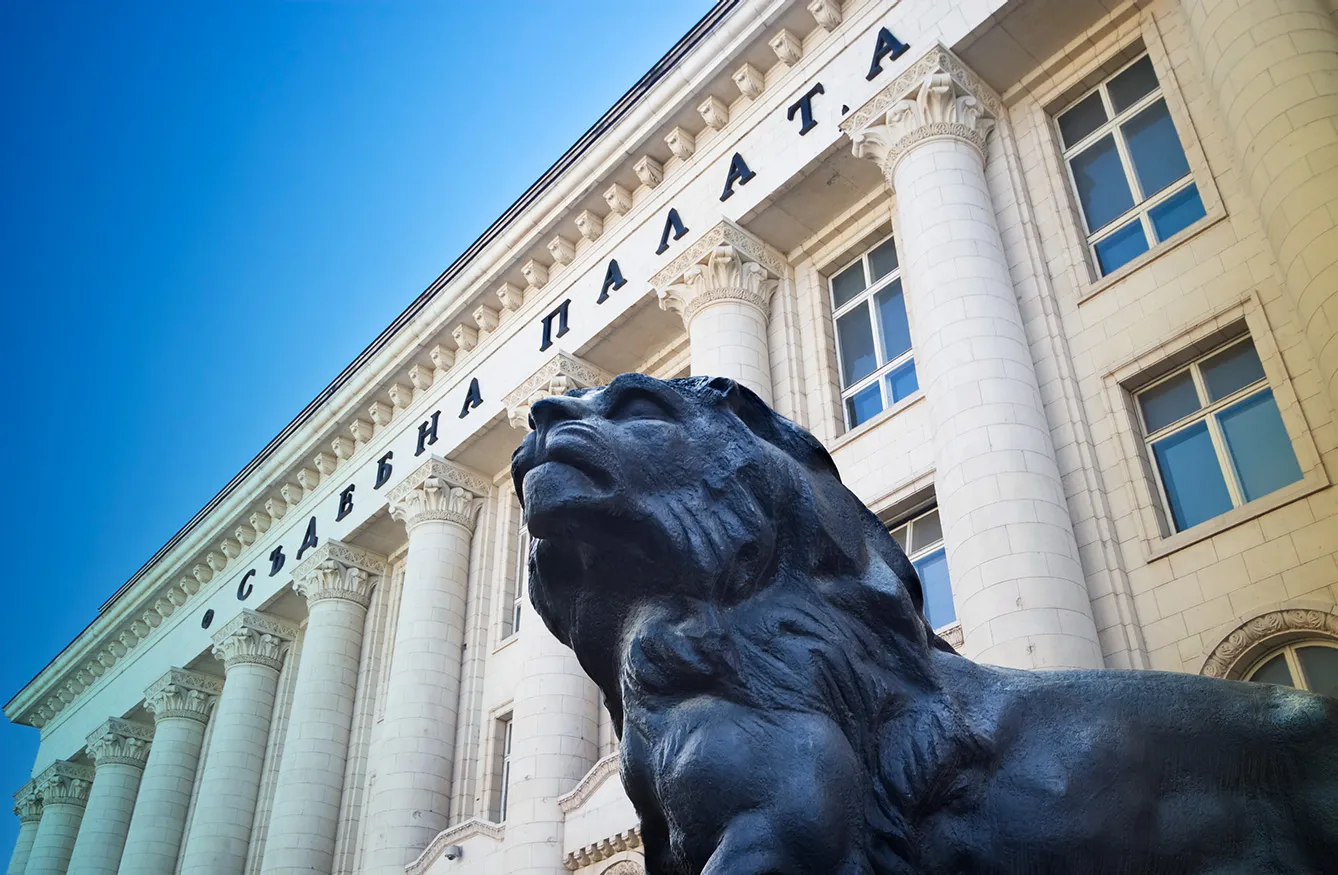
(937, 96)
(555, 377)
(251, 638)
(604, 848)
(727, 263)
(438, 490)
(336, 570)
(181, 693)
(120, 742)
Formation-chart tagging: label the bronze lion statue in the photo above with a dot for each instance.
(784, 706)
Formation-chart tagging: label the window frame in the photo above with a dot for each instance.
(1288, 651)
(1208, 412)
(1142, 204)
(908, 522)
(866, 298)
(522, 579)
(504, 772)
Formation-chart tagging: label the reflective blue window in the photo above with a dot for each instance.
(1103, 189)
(864, 405)
(1118, 249)
(1191, 476)
(902, 381)
(1154, 146)
(933, 571)
(1169, 401)
(1177, 212)
(854, 336)
(891, 304)
(1260, 448)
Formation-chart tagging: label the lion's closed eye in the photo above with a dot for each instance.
(638, 406)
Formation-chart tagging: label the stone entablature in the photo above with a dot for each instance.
(120, 742)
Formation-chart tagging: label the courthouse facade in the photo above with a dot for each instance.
(1054, 280)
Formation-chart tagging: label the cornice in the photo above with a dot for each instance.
(589, 783)
(455, 835)
(601, 850)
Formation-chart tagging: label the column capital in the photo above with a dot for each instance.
(557, 376)
(937, 96)
(251, 638)
(181, 693)
(28, 803)
(437, 490)
(121, 742)
(727, 263)
(64, 783)
(336, 570)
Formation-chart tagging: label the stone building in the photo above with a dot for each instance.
(1054, 281)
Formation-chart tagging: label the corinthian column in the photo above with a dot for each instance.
(120, 749)
(180, 701)
(722, 287)
(252, 647)
(28, 807)
(410, 793)
(64, 789)
(1012, 555)
(554, 742)
(1273, 67)
(337, 580)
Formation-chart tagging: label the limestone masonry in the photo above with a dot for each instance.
(1056, 282)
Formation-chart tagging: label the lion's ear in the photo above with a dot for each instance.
(726, 387)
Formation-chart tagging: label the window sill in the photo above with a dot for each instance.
(506, 642)
(1093, 289)
(1307, 485)
(854, 433)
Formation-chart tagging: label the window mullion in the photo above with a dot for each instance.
(1127, 161)
(1294, 666)
(1159, 479)
(1224, 460)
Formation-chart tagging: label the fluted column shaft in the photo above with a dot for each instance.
(1273, 67)
(1017, 581)
(337, 581)
(412, 760)
(64, 788)
(120, 749)
(28, 807)
(180, 701)
(554, 742)
(252, 648)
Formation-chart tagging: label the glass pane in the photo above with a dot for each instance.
(1121, 247)
(899, 535)
(928, 530)
(902, 381)
(1102, 188)
(864, 405)
(1233, 368)
(847, 284)
(1320, 667)
(1088, 115)
(1192, 477)
(1159, 160)
(1177, 212)
(1136, 81)
(883, 259)
(933, 571)
(891, 304)
(1275, 671)
(1175, 399)
(854, 337)
(1259, 446)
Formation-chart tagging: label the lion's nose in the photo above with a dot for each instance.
(557, 408)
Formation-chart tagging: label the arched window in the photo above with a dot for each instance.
(1309, 664)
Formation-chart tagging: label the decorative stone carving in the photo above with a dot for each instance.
(562, 250)
(260, 520)
(421, 377)
(681, 143)
(381, 412)
(590, 225)
(181, 693)
(511, 297)
(787, 47)
(437, 490)
(216, 561)
(827, 13)
(618, 198)
(602, 771)
(246, 535)
(1233, 656)
(625, 867)
(535, 273)
(28, 803)
(596, 852)
(64, 783)
(554, 377)
(251, 638)
(336, 570)
(165, 608)
(456, 835)
(750, 81)
(727, 263)
(485, 318)
(361, 430)
(151, 618)
(401, 396)
(308, 479)
(715, 112)
(202, 573)
(120, 741)
(466, 337)
(936, 97)
(442, 357)
(649, 171)
(292, 493)
(231, 548)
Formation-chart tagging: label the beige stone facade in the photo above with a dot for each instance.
(1054, 281)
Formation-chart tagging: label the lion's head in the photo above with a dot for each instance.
(652, 490)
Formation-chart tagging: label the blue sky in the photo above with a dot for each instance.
(207, 209)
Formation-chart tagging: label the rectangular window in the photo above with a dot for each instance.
(873, 337)
(921, 537)
(1127, 167)
(1215, 435)
(522, 576)
(504, 766)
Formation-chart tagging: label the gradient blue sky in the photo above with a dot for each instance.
(207, 209)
